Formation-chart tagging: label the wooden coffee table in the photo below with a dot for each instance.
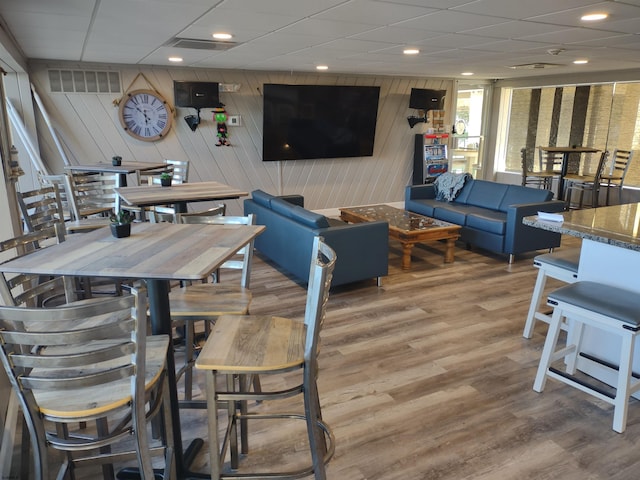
(407, 227)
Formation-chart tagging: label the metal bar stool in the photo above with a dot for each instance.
(561, 265)
(607, 308)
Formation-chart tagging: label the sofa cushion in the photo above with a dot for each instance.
(308, 218)
(488, 221)
(486, 194)
(451, 213)
(517, 194)
(262, 198)
(282, 207)
(299, 214)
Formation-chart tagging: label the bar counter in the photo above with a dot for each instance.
(610, 254)
(617, 225)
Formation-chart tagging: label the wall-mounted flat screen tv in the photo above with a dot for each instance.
(425, 99)
(196, 94)
(318, 121)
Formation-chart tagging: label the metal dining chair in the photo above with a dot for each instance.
(241, 346)
(89, 362)
(535, 177)
(614, 176)
(207, 301)
(585, 183)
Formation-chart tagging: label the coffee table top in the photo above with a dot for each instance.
(397, 218)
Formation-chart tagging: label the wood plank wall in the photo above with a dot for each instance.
(88, 126)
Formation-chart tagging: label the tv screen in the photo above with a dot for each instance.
(424, 99)
(196, 94)
(318, 121)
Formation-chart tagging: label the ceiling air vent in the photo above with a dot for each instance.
(535, 66)
(198, 44)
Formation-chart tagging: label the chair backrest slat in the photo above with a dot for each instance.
(41, 208)
(320, 275)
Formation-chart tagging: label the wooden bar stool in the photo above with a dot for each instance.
(607, 308)
(561, 265)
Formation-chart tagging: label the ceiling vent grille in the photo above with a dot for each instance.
(198, 44)
(535, 66)
(84, 81)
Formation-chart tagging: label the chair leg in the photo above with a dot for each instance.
(212, 414)
(538, 290)
(317, 440)
(621, 402)
(548, 350)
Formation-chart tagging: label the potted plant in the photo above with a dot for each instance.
(116, 161)
(165, 179)
(121, 223)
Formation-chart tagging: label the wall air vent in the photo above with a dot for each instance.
(199, 44)
(535, 66)
(84, 81)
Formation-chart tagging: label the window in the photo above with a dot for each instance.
(604, 116)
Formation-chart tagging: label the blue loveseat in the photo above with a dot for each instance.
(490, 214)
(362, 249)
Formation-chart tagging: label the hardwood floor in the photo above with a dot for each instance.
(428, 377)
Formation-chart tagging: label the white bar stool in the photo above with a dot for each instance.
(604, 307)
(561, 265)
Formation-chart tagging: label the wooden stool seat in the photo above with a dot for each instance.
(561, 265)
(607, 308)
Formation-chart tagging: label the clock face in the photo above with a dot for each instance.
(145, 115)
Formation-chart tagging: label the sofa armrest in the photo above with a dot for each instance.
(418, 192)
(521, 238)
(362, 249)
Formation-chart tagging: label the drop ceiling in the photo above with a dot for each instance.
(486, 37)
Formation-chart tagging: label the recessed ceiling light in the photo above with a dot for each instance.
(580, 61)
(592, 17)
(466, 74)
(222, 36)
(175, 59)
(411, 51)
(322, 67)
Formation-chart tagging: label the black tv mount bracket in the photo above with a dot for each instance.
(193, 120)
(413, 120)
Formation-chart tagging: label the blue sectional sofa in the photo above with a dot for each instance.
(362, 249)
(490, 214)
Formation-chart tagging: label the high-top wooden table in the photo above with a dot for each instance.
(123, 169)
(179, 195)
(156, 253)
(407, 227)
(566, 152)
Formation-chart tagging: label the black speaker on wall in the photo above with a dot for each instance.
(425, 99)
(196, 94)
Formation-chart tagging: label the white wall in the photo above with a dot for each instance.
(90, 131)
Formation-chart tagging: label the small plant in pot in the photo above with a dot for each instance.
(121, 223)
(165, 179)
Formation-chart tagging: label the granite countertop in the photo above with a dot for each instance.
(617, 225)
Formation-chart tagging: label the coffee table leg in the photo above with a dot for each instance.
(449, 253)
(406, 255)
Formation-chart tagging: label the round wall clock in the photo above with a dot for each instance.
(145, 115)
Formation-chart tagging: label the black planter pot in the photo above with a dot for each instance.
(165, 182)
(120, 230)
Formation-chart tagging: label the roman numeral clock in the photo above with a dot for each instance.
(145, 115)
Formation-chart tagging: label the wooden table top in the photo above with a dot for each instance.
(569, 149)
(148, 195)
(153, 251)
(126, 167)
